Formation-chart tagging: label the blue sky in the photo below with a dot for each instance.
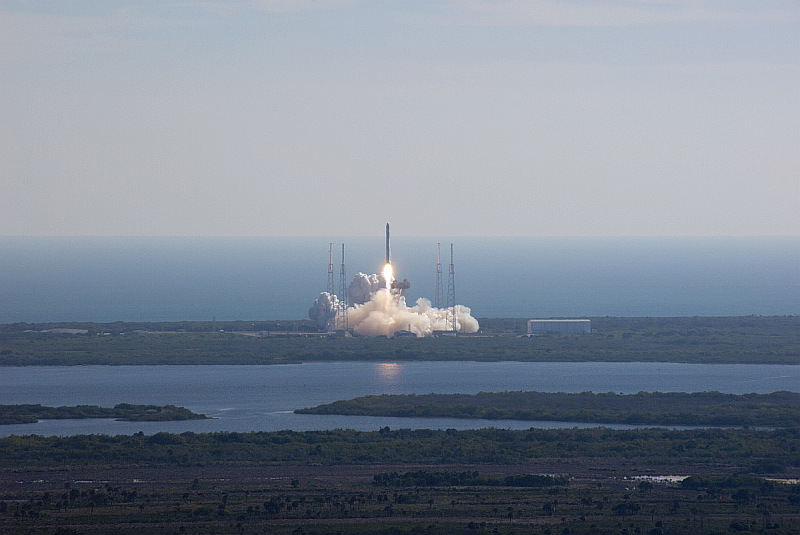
(474, 117)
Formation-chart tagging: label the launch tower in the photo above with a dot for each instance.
(438, 296)
(341, 316)
(330, 289)
(451, 290)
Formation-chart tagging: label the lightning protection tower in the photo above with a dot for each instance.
(330, 289)
(451, 291)
(341, 317)
(438, 296)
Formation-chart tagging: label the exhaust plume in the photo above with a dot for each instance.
(324, 309)
(377, 310)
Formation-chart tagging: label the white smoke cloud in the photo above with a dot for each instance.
(324, 309)
(361, 290)
(386, 313)
(374, 310)
(363, 287)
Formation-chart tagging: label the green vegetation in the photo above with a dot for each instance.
(30, 414)
(402, 482)
(186, 503)
(764, 340)
(427, 478)
(746, 450)
(779, 409)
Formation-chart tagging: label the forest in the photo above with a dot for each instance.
(745, 450)
(750, 339)
(778, 409)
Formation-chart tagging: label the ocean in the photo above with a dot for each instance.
(57, 279)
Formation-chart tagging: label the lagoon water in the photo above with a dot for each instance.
(200, 279)
(262, 398)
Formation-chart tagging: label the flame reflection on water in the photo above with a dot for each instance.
(388, 370)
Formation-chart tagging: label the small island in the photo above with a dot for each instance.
(778, 409)
(30, 414)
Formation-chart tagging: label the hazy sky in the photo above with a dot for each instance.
(473, 117)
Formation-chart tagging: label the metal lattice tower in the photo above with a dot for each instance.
(451, 291)
(330, 270)
(341, 317)
(438, 296)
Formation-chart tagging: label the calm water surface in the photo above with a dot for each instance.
(262, 398)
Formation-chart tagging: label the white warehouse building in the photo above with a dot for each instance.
(559, 326)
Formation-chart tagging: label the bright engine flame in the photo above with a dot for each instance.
(388, 276)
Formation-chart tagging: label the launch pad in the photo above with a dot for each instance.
(374, 304)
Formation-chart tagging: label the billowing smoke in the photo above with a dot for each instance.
(376, 311)
(363, 287)
(386, 313)
(324, 309)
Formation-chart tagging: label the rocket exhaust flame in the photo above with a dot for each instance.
(388, 275)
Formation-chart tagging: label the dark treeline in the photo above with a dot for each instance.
(29, 414)
(116, 327)
(428, 478)
(779, 409)
(741, 449)
(768, 340)
(724, 482)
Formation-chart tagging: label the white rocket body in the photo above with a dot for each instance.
(387, 244)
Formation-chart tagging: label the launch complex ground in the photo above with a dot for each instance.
(732, 340)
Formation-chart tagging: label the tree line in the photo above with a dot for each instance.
(745, 450)
(429, 478)
(778, 409)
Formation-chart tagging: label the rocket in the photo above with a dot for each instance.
(387, 243)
